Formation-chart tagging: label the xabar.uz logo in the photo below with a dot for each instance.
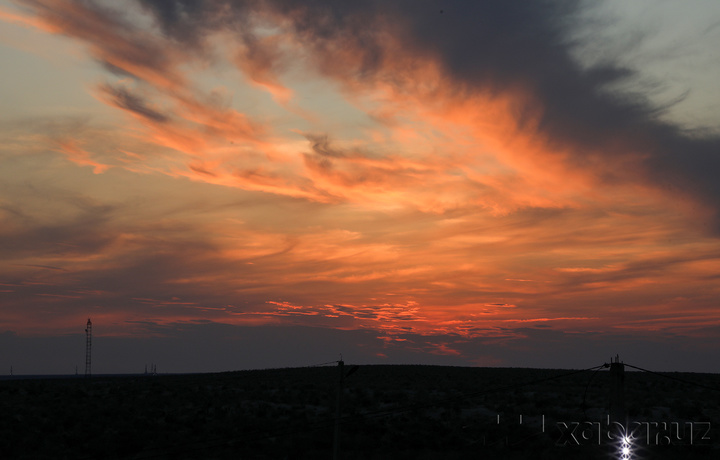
(638, 433)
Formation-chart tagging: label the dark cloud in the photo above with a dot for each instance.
(188, 20)
(650, 267)
(48, 267)
(125, 99)
(321, 146)
(497, 46)
(113, 39)
(86, 233)
(175, 12)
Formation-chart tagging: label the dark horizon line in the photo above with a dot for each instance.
(147, 374)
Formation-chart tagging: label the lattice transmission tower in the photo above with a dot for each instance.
(88, 347)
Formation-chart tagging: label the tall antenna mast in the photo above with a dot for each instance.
(88, 347)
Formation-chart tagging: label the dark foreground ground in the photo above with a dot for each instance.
(389, 412)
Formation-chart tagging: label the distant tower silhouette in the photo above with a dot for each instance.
(618, 413)
(88, 347)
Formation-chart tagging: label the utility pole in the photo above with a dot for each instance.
(88, 347)
(617, 395)
(338, 406)
(338, 410)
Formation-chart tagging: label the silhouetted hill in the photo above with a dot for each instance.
(389, 412)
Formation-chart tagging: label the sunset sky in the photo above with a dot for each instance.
(224, 184)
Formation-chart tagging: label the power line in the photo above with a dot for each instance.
(674, 378)
(584, 406)
(323, 364)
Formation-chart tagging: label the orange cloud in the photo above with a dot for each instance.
(259, 59)
(81, 157)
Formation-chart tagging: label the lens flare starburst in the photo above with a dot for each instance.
(625, 448)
